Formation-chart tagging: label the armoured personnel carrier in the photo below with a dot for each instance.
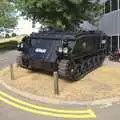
(71, 54)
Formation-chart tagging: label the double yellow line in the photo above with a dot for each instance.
(63, 113)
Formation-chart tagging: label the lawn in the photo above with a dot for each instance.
(9, 43)
(17, 38)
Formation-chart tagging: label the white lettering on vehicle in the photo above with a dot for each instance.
(39, 50)
(103, 41)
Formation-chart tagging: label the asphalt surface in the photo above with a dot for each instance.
(7, 57)
(8, 112)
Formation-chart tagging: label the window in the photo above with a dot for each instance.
(114, 43)
(114, 5)
(107, 6)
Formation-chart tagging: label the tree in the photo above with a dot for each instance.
(7, 14)
(65, 14)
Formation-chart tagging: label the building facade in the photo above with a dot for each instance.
(110, 22)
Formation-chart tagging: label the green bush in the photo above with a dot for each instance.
(8, 45)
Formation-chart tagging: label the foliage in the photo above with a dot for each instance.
(65, 14)
(7, 15)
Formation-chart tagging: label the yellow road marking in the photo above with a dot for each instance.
(44, 108)
(47, 113)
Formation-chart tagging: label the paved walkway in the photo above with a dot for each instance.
(7, 57)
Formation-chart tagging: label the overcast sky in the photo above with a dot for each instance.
(25, 26)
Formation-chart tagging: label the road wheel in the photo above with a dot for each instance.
(84, 67)
(89, 64)
(98, 60)
(102, 58)
(94, 62)
(68, 69)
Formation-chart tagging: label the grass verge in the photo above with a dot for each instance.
(10, 45)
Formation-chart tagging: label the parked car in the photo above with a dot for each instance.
(6, 32)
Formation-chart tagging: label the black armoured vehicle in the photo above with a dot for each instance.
(71, 54)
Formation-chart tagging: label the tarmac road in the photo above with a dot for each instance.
(10, 112)
(7, 57)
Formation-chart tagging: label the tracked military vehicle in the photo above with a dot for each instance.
(71, 54)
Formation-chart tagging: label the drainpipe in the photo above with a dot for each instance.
(118, 24)
(112, 24)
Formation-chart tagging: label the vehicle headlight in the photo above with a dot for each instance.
(21, 45)
(18, 45)
(65, 50)
(60, 50)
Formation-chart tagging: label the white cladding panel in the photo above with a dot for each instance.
(110, 23)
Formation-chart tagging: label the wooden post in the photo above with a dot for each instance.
(11, 72)
(56, 83)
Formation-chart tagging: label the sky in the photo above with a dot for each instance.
(25, 26)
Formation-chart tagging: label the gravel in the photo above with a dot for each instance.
(103, 82)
